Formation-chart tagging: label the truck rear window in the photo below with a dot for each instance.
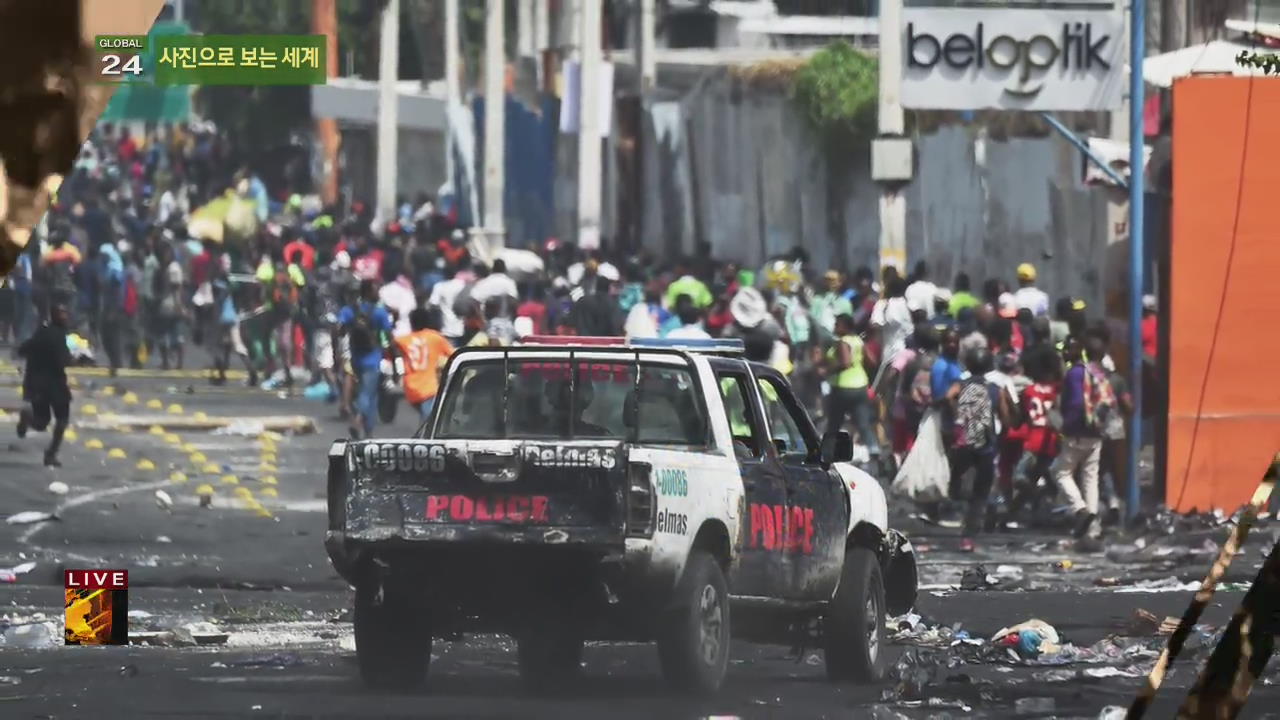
(585, 400)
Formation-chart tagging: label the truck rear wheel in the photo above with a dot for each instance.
(550, 657)
(393, 639)
(853, 629)
(693, 644)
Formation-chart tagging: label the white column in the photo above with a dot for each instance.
(524, 27)
(893, 202)
(644, 45)
(452, 83)
(590, 160)
(495, 108)
(388, 122)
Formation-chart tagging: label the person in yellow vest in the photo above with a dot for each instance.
(848, 379)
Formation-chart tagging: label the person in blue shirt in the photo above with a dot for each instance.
(366, 326)
(946, 369)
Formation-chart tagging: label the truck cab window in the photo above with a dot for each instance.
(748, 439)
(784, 424)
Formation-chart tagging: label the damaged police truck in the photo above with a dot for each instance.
(574, 489)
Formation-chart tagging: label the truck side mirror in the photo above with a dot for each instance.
(837, 447)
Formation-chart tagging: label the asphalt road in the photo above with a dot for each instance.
(254, 562)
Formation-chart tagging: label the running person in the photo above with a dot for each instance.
(366, 326)
(45, 391)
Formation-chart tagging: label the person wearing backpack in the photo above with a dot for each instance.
(1087, 402)
(976, 407)
(913, 396)
(367, 327)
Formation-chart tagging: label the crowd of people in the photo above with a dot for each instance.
(1019, 390)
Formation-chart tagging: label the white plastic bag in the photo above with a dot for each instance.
(925, 473)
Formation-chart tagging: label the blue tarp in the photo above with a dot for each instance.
(530, 167)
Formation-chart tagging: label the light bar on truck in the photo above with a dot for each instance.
(709, 346)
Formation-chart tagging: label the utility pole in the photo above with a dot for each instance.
(645, 61)
(590, 152)
(324, 21)
(892, 123)
(1137, 239)
(495, 135)
(388, 122)
(452, 86)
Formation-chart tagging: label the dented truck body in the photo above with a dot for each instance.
(578, 485)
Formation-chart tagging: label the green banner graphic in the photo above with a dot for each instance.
(240, 60)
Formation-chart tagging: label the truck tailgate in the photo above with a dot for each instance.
(459, 490)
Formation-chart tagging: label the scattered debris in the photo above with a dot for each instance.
(27, 517)
(163, 500)
(199, 633)
(278, 660)
(976, 578)
(57, 487)
(1169, 584)
(32, 635)
(1144, 622)
(11, 574)
(129, 671)
(244, 428)
(1034, 706)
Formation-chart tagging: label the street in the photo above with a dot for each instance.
(253, 564)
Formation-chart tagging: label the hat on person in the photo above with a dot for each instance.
(1007, 306)
(942, 295)
(748, 307)
(342, 260)
(1078, 304)
(1149, 302)
(1026, 271)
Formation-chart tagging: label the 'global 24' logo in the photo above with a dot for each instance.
(1028, 60)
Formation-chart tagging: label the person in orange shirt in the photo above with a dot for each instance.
(425, 351)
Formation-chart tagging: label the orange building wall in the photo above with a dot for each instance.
(1219, 463)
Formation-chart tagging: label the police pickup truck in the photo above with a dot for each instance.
(612, 490)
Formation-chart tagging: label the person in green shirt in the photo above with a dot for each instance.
(686, 284)
(961, 297)
(848, 379)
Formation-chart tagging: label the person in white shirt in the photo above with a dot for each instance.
(398, 297)
(497, 284)
(1029, 296)
(443, 295)
(892, 315)
(921, 292)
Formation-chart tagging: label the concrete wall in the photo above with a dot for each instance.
(419, 166)
(741, 169)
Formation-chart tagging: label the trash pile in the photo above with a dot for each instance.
(147, 629)
(944, 663)
(30, 632)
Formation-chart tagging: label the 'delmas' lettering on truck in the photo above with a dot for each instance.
(781, 529)
(571, 457)
(1076, 49)
(494, 508)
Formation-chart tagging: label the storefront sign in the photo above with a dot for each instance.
(1013, 59)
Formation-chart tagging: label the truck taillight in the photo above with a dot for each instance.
(642, 509)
